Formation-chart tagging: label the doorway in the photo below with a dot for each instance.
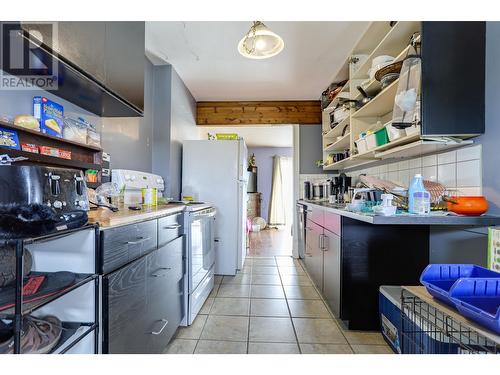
(270, 193)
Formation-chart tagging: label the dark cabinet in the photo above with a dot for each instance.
(165, 294)
(314, 253)
(125, 306)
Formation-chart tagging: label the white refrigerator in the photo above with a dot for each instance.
(215, 172)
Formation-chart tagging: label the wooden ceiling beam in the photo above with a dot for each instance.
(303, 112)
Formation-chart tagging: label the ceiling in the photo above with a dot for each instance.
(205, 56)
(255, 136)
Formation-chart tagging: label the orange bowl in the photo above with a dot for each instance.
(468, 205)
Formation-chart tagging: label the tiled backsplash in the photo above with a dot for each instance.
(457, 169)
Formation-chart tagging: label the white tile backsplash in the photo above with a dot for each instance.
(469, 153)
(469, 173)
(449, 168)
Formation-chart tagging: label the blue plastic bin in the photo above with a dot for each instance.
(478, 300)
(439, 278)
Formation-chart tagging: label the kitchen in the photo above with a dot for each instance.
(126, 232)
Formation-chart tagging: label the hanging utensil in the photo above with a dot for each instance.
(366, 97)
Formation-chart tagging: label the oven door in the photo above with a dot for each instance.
(201, 250)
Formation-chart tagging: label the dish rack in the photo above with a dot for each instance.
(431, 328)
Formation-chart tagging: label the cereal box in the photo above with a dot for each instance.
(9, 139)
(50, 115)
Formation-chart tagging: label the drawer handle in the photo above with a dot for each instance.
(173, 226)
(165, 322)
(309, 211)
(139, 240)
(161, 274)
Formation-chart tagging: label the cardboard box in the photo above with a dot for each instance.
(50, 115)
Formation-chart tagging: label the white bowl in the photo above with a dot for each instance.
(379, 60)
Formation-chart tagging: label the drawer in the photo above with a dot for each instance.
(332, 222)
(169, 228)
(124, 244)
(315, 214)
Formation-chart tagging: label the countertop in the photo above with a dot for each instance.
(108, 219)
(406, 219)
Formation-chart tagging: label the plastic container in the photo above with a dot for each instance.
(479, 300)
(394, 133)
(371, 141)
(419, 199)
(381, 136)
(439, 278)
(361, 145)
(75, 130)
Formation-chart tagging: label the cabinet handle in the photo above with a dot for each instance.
(309, 211)
(173, 226)
(326, 242)
(139, 240)
(321, 241)
(161, 274)
(165, 322)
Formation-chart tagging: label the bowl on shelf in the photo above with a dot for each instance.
(388, 69)
(388, 79)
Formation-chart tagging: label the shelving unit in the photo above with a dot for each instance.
(339, 145)
(79, 300)
(83, 156)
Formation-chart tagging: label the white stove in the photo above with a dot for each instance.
(132, 183)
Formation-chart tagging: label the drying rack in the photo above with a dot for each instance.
(22, 309)
(431, 327)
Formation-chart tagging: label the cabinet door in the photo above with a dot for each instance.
(125, 292)
(165, 286)
(314, 254)
(331, 271)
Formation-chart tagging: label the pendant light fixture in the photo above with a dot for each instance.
(260, 42)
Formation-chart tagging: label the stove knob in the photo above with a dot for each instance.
(58, 204)
(133, 178)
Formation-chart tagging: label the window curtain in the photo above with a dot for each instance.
(281, 191)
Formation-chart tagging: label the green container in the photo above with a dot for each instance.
(381, 136)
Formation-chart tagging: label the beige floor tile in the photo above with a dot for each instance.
(234, 290)
(241, 278)
(194, 330)
(272, 348)
(245, 269)
(325, 349)
(308, 308)
(230, 328)
(364, 338)
(271, 330)
(266, 280)
(181, 346)
(218, 279)
(205, 309)
(231, 306)
(266, 291)
(291, 271)
(301, 292)
(265, 270)
(269, 307)
(302, 280)
(214, 291)
(318, 331)
(286, 261)
(263, 262)
(220, 347)
(372, 349)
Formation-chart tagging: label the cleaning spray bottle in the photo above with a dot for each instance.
(419, 199)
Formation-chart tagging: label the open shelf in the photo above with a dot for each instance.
(38, 134)
(345, 163)
(343, 94)
(338, 129)
(370, 154)
(51, 160)
(340, 145)
(382, 104)
(419, 148)
(28, 307)
(398, 36)
(72, 334)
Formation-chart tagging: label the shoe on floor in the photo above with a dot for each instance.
(38, 336)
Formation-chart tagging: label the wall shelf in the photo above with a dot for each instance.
(49, 160)
(382, 104)
(337, 130)
(420, 147)
(340, 145)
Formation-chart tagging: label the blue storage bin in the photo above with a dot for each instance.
(439, 278)
(479, 300)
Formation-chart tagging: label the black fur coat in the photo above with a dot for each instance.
(28, 220)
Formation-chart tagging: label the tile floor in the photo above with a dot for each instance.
(270, 307)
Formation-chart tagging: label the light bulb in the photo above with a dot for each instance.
(260, 44)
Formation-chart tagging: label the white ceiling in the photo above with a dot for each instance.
(205, 56)
(255, 136)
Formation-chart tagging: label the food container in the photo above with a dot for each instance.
(93, 137)
(29, 147)
(394, 133)
(75, 130)
(27, 122)
(149, 197)
(412, 130)
(468, 205)
(371, 141)
(361, 145)
(226, 136)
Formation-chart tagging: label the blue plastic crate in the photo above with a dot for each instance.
(439, 278)
(479, 300)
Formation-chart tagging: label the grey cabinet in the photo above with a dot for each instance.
(332, 270)
(314, 253)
